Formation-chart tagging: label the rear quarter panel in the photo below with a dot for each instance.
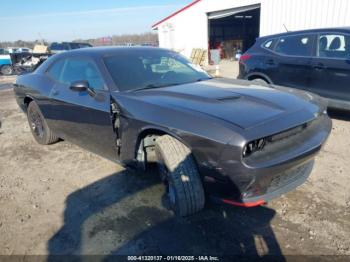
(34, 86)
(258, 64)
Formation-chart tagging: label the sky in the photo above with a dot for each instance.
(65, 20)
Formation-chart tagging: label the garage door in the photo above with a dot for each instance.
(233, 11)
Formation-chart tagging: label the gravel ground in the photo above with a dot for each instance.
(5, 80)
(60, 199)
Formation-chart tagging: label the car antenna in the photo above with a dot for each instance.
(285, 28)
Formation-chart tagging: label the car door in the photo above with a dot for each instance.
(80, 117)
(292, 62)
(331, 66)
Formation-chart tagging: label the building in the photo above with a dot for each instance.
(235, 24)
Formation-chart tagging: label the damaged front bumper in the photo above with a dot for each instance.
(277, 169)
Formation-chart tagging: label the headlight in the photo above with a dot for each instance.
(254, 146)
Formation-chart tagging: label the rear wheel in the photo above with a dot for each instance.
(38, 126)
(6, 70)
(179, 172)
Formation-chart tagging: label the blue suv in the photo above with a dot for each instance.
(313, 60)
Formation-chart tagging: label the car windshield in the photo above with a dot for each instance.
(140, 69)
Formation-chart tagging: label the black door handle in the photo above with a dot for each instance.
(270, 62)
(319, 66)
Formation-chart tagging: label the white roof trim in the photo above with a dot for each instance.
(233, 11)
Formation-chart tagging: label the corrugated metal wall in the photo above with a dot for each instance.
(189, 29)
(303, 14)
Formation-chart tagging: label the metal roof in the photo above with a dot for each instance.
(175, 13)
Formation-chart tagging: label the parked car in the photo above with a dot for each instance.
(228, 139)
(17, 50)
(5, 62)
(65, 46)
(149, 44)
(313, 60)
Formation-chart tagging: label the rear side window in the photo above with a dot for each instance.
(333, 46)
(269, 44)
(298, 45)
(55, 70)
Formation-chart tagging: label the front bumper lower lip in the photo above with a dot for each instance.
(283, 189)
(244, 204)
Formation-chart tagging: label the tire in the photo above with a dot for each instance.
(179, 172)
(6, 70)
(38, 126)
(260, 81)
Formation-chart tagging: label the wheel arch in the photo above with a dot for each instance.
(256, 75)
(26, 100)
(155, 131)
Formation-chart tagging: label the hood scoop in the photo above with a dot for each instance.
(228, 98)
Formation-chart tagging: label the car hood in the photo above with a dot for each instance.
(241, 103)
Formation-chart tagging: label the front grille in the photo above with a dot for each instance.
(259, 145)
(286, 134)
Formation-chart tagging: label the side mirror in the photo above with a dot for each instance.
(81, 86)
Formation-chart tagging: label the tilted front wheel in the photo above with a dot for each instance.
(40, 130)
(179, 172)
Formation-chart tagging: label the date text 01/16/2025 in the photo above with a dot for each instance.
(173, 258)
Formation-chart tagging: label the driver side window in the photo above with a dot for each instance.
(76, 69)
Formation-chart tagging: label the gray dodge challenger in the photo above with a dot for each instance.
(231, 140)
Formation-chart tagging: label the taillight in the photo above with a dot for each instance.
(245, 57)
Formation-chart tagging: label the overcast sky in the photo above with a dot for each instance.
(64, 20)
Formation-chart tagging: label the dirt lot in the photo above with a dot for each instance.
(60, 199)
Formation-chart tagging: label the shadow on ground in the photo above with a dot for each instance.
(122, 215)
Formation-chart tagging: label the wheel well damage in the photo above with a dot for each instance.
(145, 147)
(27, 100)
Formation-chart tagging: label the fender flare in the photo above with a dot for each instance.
(261, 75)
(160, 129)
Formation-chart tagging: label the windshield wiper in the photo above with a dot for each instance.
(203, 79)
(153, 86)
(160, 85)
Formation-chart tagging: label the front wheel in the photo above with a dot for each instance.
(179, 172)
(6, 70)
(38, 126)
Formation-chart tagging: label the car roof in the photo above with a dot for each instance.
(96, 53)
(309, 31)
(64, 42)
(107, 51)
